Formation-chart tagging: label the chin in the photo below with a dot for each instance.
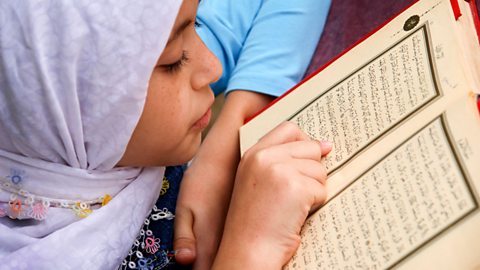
(184, 155)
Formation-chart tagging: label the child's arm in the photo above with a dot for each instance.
(207, 184)
(268, 54)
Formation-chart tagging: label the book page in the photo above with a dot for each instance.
(373, 99)
(411, 201)
(403, 178)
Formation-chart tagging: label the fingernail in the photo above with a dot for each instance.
(183, 252)
(326, 144)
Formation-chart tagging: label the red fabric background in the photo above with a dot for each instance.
(349, 21)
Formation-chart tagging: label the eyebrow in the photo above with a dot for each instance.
(178, 31)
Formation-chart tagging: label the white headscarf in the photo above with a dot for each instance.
(73, 82)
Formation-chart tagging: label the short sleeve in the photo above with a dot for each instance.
(264, 46)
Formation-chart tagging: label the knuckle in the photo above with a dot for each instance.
(290, 127)
(320, 196)
(277, 171)
(255, 157)
(250, 152)
(261, 157)
(322, 174)
(184, 242)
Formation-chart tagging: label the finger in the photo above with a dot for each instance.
(312, 169)
(283, 133)
(326, 147)
(318, 194)
(184, 238)
(311, 149)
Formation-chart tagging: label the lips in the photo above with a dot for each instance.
(203, 121)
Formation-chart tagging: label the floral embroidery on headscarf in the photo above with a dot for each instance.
(15, 207)
(23, 204)
(39, 210)
(16, 176)
(106, 199)
(82, 209)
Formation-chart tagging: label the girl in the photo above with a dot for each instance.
(95, 98)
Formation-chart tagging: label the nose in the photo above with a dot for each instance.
(208, 67)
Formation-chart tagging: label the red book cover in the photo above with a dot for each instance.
(478, 104)
(476, 20)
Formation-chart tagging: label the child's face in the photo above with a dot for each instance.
(177, 108)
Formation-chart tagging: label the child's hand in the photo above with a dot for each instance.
(279, 181)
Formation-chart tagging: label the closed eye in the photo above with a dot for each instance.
(176, 66)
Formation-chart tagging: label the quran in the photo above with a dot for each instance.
(400, 108)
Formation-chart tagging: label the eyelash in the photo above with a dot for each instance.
(175, 67)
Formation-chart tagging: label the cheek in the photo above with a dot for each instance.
(175, 142)
(171, 136)
(168, 115)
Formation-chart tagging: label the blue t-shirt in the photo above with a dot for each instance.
(264, 45)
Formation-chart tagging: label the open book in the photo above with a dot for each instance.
(404, 174)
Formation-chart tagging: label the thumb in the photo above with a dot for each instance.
(184, 238)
